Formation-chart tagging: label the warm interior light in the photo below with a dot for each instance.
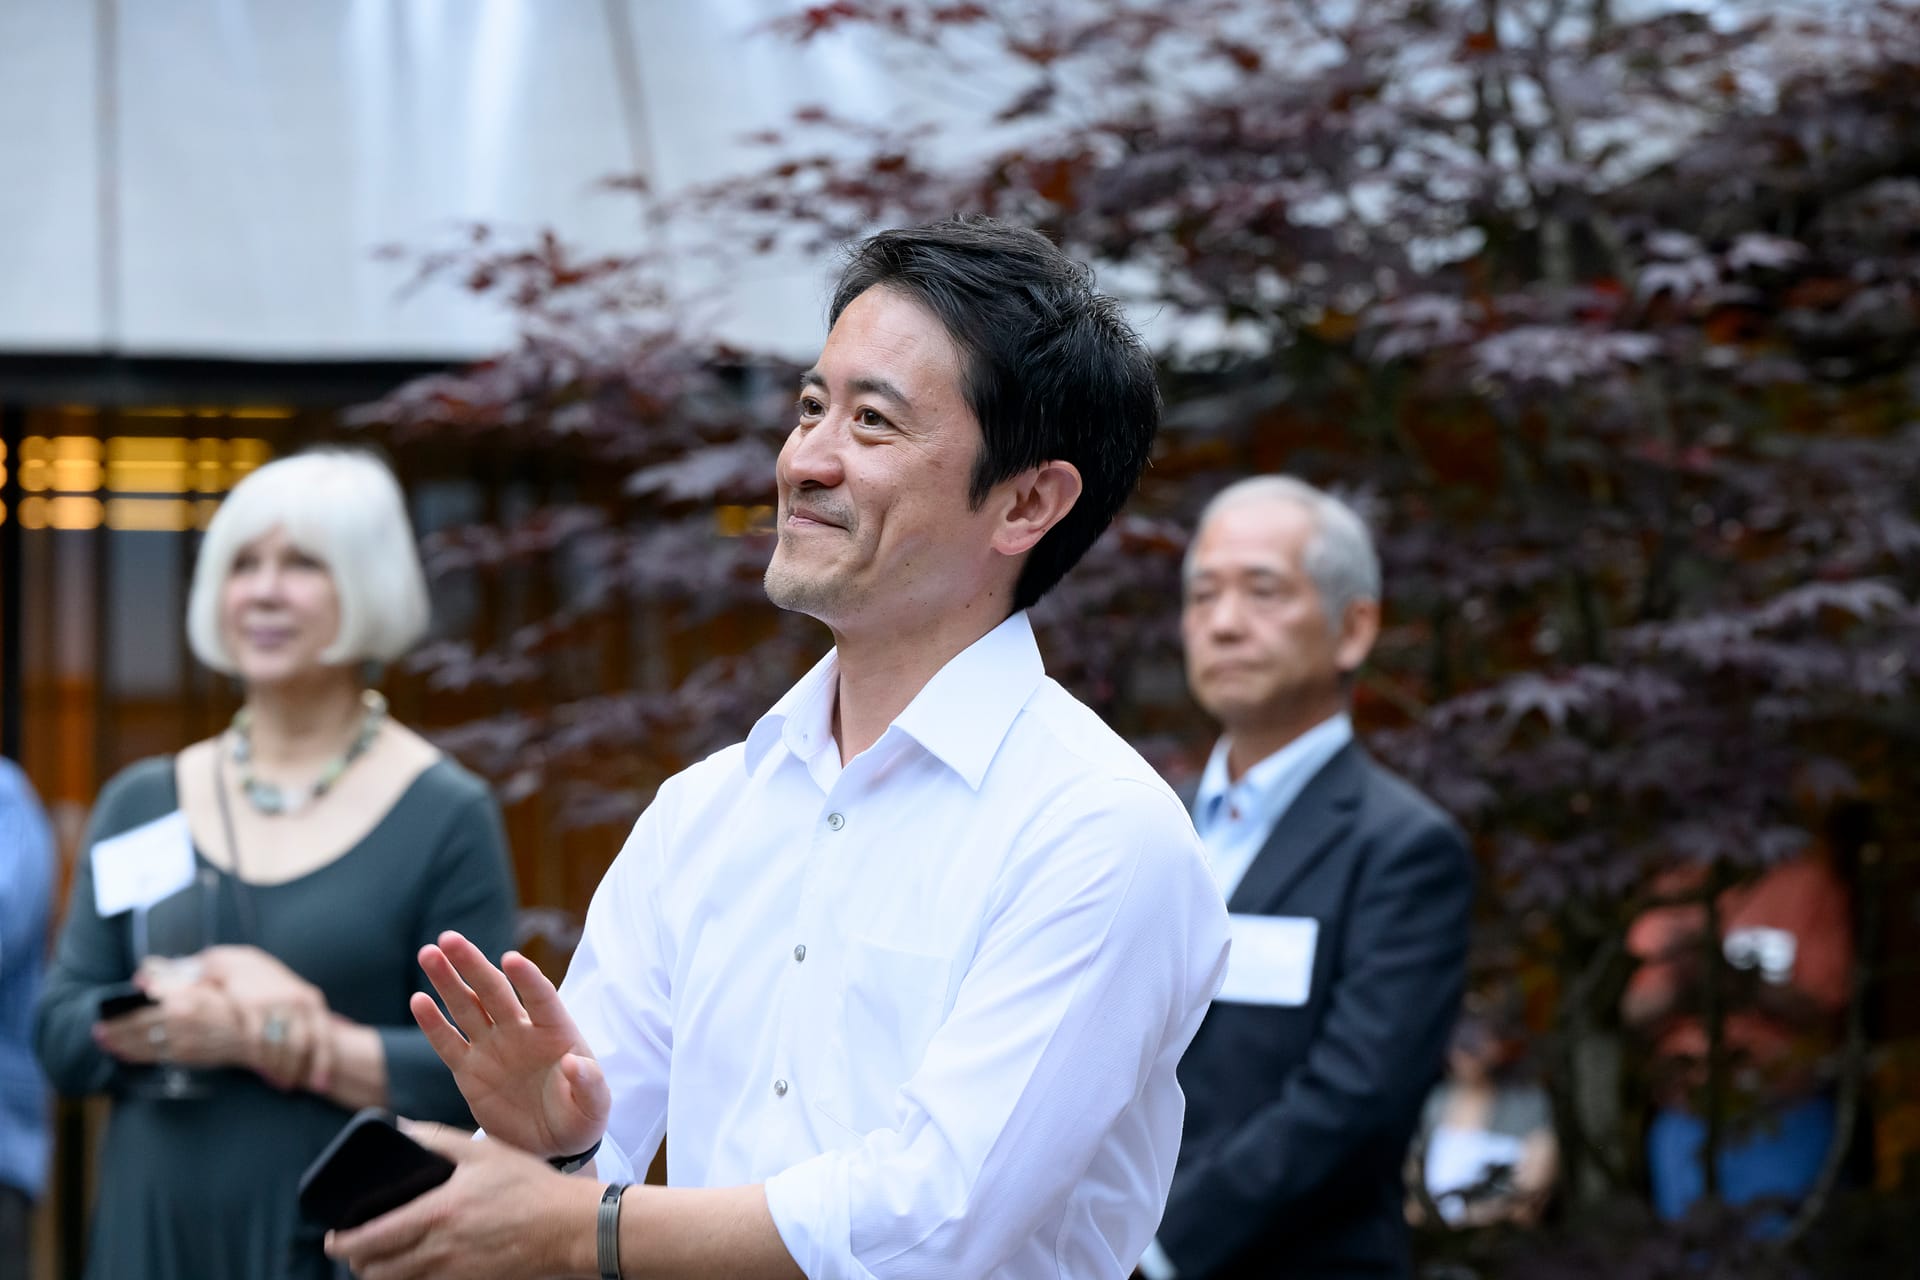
(136, 464)
(244, 455)
(70, 463)
(74, 449)
(732, 521)
(135, 477)
(150, 515)
(148, 464)
(67, 512)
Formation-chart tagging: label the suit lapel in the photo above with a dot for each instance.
(1319, 815)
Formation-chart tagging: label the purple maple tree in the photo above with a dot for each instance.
(1608, 313)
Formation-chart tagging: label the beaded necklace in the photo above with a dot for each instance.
(273, 800)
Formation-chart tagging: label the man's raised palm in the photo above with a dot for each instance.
(515, 1053)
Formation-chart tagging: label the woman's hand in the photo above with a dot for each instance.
(287, 1027)
(193, 1024)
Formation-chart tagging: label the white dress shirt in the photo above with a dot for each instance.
(1235, 818)
(933, 1000)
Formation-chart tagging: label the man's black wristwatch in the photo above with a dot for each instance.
(573, 1164)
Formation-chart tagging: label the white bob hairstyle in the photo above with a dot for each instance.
(344, 508)
(1340, 560)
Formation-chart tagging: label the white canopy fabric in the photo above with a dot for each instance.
(212, 177)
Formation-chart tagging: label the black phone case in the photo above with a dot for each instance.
(369, 1168)
(122, 999)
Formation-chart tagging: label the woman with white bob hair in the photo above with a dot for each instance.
(240, 943)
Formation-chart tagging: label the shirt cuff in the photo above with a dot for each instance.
(611, 1164)
(809, 1204)
(1156, 1265)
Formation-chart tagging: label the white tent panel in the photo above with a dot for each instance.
(222, 189)
(50, 284)
(711, 77)
(268, 150)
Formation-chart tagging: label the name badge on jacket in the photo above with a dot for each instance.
(1271, 960)
(137, 868)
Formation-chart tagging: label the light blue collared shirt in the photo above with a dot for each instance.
(1235, 819)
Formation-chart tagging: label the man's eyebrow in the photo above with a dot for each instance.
(865, 386)
(1212, 572)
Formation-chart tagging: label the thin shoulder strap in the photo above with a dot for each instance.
(242, 892)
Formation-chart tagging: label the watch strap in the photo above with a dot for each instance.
(573, 1164)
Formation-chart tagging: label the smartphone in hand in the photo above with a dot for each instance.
(370, 1167)
(121, 999)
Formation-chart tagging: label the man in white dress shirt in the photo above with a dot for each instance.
(906, 974)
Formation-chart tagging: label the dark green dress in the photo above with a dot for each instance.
(203, 1189)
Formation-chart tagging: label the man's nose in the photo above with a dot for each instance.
(811, 458)
(1225, 616)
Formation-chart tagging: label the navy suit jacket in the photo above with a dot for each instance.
(1298, 1119)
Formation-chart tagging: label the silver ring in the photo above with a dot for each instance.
(275, 1029)
(157, 1036)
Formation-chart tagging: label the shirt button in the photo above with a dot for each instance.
(779, 1088)
(800, 953)
(835, 821)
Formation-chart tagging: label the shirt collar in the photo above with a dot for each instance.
(1316, 746)
(803, 718)
(961, 716)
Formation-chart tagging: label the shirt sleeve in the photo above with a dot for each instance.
(618, 990)
(469, 888)
(26, 869)
(1095, 966)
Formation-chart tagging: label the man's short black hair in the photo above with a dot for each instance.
(1052, 369)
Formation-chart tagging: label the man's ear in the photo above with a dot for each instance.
(1358, 630)
(1032, 503)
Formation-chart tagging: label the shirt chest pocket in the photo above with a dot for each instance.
(892, 1000)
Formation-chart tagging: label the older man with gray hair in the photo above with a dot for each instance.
(1350, 895)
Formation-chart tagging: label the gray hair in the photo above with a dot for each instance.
(1339, 559)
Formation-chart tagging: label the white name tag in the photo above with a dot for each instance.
(138, 868)
(1271, 961)
(1771, 951)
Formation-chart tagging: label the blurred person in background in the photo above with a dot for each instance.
(1486, 1150)
(319, 843)
(1787, 941)
(26, 885)
(1350, 896)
